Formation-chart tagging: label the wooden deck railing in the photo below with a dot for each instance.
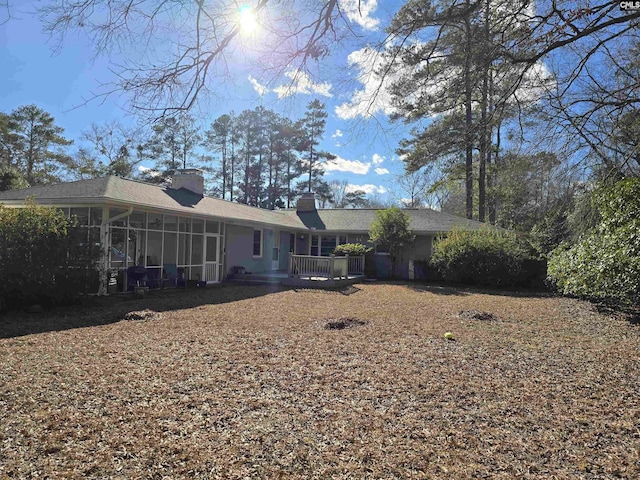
(327, 267)
(356, 265)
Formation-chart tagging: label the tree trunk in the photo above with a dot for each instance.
(468, 120)
(491, 201)
(482, 170)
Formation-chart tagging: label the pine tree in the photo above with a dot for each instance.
(34, 137)
(312, 126)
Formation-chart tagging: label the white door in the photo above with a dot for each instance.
(275, 252)
(211, 258)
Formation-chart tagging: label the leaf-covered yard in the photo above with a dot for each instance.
(247, 382)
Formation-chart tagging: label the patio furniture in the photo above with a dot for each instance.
(136, 277)
(154, 278)
(181, 281)
(172, 277)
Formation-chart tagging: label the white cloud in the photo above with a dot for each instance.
(301, 83)
(258, 87)
(341, 165)
(377, 159)
(536, 80)
(149, 171)
(381, 171)
(374, 95)
(367, 188)
(338, 134)
(359, 11)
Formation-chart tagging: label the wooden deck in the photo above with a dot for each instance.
(308, 271)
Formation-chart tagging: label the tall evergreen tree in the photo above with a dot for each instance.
(450, 62)
(248, 150)
(312, 125)
(172, 143)
(218, 138)
(37, 145)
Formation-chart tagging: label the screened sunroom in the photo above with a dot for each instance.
(157, 241)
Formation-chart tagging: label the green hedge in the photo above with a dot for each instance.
(486, 257)
(44, 258)
(351, 249)
(604, 264)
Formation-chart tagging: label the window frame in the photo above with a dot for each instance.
(261, 242)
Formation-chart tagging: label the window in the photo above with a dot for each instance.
(196, 249)
(118, 250)
(212, 249)
(137, 245)
(184, 249)
(314, 245)
(212, 227)
(122, 222)
(170, 223)
(137, 220)
(185, 224)
(154, 248)
(80, 215)
(197, 226)
(155, 221)
(257, 243)
(327, 245)
(96, 216)
(169, 252)
(357, 239)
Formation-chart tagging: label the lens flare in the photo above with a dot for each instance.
(248, 22)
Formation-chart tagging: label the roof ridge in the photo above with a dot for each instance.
(166, 187)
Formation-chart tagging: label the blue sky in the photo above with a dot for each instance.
(64, 84)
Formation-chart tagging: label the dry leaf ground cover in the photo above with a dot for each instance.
(247, 382)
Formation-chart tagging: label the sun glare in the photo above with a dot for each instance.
(248, 23)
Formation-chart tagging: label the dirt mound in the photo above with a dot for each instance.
(343, 322)
(141, 315)
(478, 315)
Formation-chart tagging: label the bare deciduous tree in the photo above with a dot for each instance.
(166, 53)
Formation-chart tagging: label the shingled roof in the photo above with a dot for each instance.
(121, 192)
(425, 221)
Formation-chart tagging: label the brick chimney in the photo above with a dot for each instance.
(190, 178)
(306, 203)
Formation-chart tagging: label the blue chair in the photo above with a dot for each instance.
(172, 277)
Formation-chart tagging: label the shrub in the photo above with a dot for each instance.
(483, 257)
(424, 272)
(605, 263)
(355, 249)
(44, 258)
(391, 230)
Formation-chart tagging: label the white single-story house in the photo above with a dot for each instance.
(138, 223)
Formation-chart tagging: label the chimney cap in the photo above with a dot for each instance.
(189, 178)
(189, 171)
(306, 203)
